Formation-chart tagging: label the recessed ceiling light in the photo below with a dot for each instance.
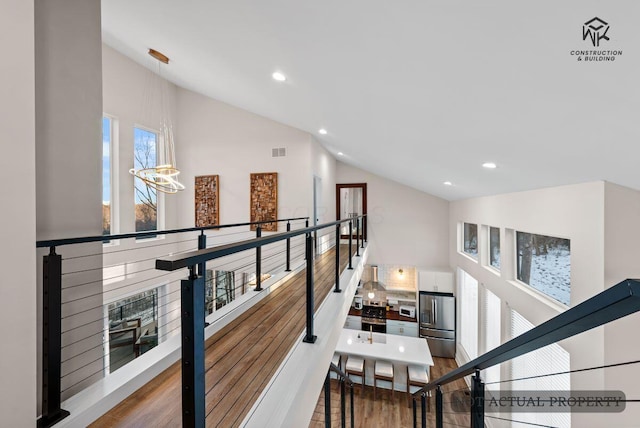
(340, 154)
(448, 183)
(279, 76)
(322, 131)
(489, 165)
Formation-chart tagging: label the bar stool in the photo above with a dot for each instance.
(336, 361)
(355, 366)
(417, 377)
(383, 371)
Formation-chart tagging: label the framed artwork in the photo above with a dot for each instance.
(264, 199)
(207, 196)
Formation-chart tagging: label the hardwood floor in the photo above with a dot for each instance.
(240, 359)
(388, 412)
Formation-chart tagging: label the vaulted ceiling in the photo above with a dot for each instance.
(418, 91)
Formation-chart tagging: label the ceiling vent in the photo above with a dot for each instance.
(278, 152)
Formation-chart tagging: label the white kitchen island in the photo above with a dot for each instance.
(399, 350)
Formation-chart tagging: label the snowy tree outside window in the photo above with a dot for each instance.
(494, 247)
(544, 263)
(470, 239)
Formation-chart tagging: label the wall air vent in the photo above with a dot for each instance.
(278, 152)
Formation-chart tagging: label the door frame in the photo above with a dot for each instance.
(362, 186)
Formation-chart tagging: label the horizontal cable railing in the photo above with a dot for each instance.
(616, 302)
(196, 407)
(148, 234)
(93, 316)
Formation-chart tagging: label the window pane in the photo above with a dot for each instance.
(492, 329)
(106, 176)
(133, 327)
(145, 151)
(470, 239)
(544, 263)
(494, 247)
(469, 314)
(529, 367)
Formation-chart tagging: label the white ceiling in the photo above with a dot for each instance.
(418, 91)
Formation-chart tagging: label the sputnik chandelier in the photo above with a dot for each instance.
(164, 177)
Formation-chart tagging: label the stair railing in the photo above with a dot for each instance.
(616, 302)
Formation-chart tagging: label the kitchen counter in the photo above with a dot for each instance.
(388, 347)
(391, 315)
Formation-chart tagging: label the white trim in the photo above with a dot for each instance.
(290, 396)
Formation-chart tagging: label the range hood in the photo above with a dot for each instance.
(374, 293)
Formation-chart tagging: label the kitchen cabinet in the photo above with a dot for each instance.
(440, 281)
(402, 328)
(353, 322)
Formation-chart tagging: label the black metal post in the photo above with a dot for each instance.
(327, 400)
(193, 392)
(309, 337)
(51, 339)
(288, 269)
(337, 289)
(343, 404)
(415, 413)
(423, 408)
(439, 408)
(258, 261)
(202, 244)
(350, 242)
(362, 233)
(477, 401)
(357, 237)
(364, 228)
(351, 405)
(306, 224)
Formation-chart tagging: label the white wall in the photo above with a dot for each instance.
(622, 252)
(405, 226)
(216, 138)
(17, 217)
(68, 83)
(575, 212)
(323, 165)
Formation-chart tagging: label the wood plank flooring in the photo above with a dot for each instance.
(386, 412)
(240, 359)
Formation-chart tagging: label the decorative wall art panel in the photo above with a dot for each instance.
(264, 199)
(207, 191)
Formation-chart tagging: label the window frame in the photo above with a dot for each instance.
(490, 252)
(530, 288)
(475, 257)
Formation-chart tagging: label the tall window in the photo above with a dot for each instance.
(550, 359)
(470, 239)
(469, 314)
(494, 247)
(107, 131)
(145, 155)
(492, 330)
(544, 263)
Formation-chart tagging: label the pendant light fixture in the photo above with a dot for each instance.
(163, 177)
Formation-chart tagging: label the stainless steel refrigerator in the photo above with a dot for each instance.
(438, 322)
